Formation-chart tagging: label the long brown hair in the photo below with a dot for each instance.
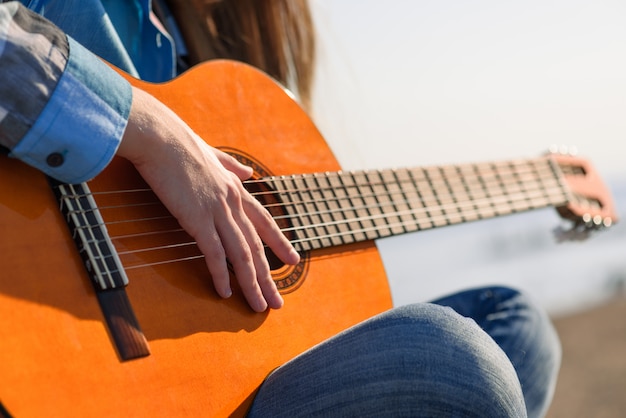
(275, 36)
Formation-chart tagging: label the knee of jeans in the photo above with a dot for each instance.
(432, 327)
(419, 318)
(449, 354)
(526, 334)
(501, 292)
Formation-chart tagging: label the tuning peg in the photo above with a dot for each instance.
(582, 228)
(563, 149)
(596, 221)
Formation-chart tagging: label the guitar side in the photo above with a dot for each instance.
(208, 355)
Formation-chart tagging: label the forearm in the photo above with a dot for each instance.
(62, 110)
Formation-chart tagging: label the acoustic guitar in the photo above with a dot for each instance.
(106, 305)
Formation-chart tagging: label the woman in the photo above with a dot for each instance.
(483, 352)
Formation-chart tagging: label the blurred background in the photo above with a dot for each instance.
(414, 83)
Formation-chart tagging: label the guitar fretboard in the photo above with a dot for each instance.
(335, 208)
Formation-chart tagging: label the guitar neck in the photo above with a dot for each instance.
(335, 208)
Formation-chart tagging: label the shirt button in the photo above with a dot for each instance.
(55, 159)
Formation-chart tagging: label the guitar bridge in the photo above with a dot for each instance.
(103, 266)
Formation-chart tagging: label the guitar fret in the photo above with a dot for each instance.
(485, 202)
(449, 176)
(346, 203)
(477, 188)
(510, 187)
(532, 199)
(537, 195)
(499, 184)
(549, 180)
(330, 209)
(368, 195)
(311, 220)
(408, 218)
(296, 205)
(459, 188)
(503, 207)
(518, 186)
(357, 204)
(483, 171)
(465, 173)
(434, 182)
(302, 206)
(313, 230)
(284, 186)
(423, 197)
(339, 194)
(324, 218)
(380, 203)
(393, 219)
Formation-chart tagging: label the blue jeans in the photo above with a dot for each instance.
(480, 353)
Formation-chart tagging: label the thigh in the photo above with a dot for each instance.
(525, 333)
(417, 360)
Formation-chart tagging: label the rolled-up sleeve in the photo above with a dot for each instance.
(62, 110)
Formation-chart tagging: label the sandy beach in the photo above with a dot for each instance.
(592, 381)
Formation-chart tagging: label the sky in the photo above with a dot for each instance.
(411, 82)
(414, 83)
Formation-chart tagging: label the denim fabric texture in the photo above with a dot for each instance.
(426, 360)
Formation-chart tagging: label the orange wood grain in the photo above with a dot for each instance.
(208, 355)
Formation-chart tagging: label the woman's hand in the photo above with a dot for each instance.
(201, 186)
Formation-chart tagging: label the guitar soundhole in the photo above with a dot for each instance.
(287, 278)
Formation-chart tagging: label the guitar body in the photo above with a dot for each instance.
(208, 355)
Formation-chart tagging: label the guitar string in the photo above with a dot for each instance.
(462, 177)
(429, 175)
(494, 203)
(379, 205)
(504, 198)
(433, 219)
(442, 218)
(372, 218)
(375, 229)
(458, 174)
(416, 186)
(453, 192)
(103, 275)
(455, 204)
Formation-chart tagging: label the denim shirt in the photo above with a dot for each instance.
(62, 109)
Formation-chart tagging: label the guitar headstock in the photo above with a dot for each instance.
(591, 204)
